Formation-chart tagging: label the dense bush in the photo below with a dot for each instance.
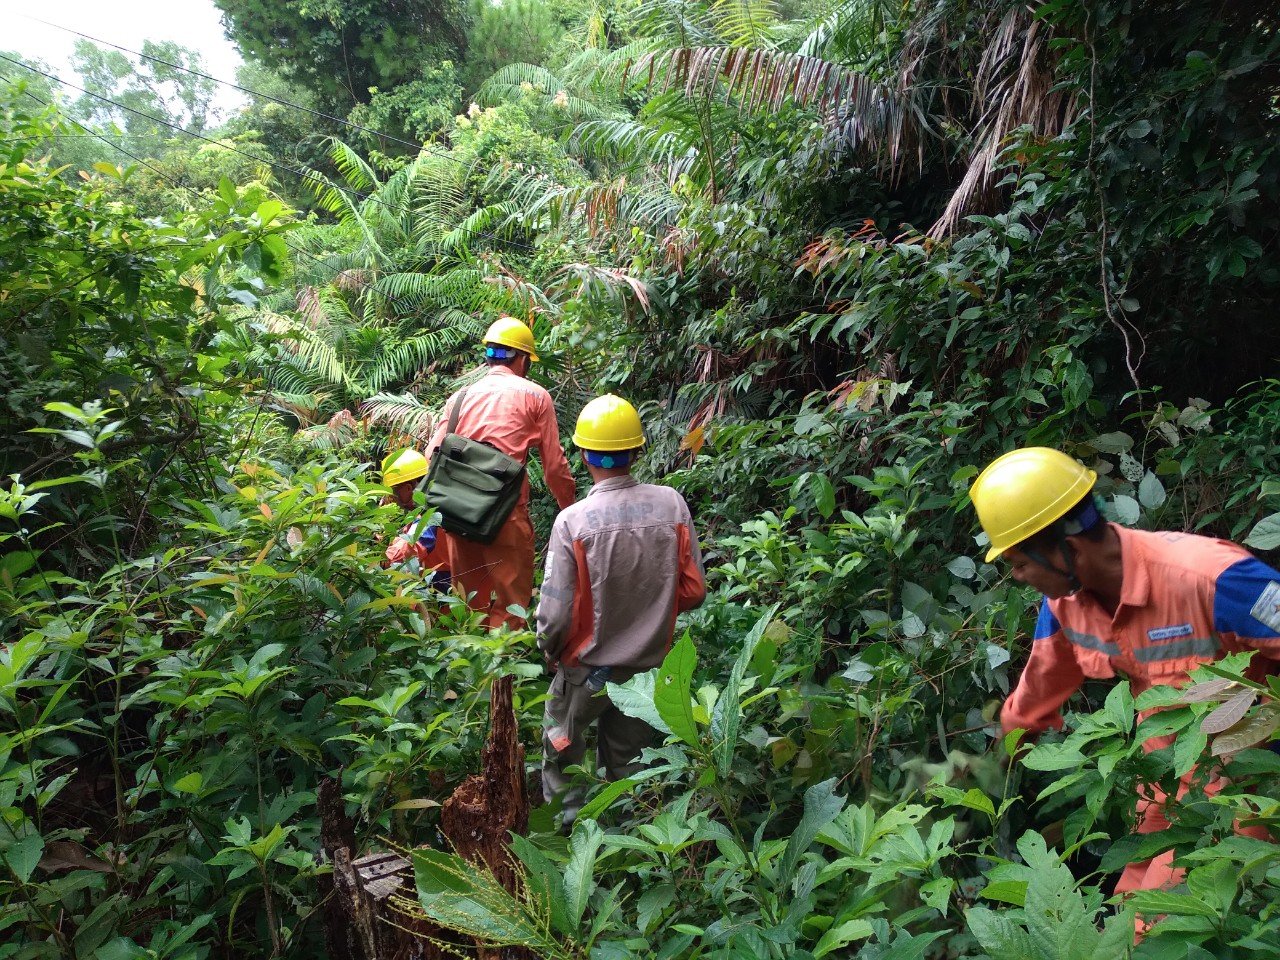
(840, 260)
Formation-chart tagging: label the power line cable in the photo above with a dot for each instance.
(174, 183)
(424, 148)
(235, 86)
(305, 175)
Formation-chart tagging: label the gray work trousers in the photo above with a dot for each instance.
(571, 708)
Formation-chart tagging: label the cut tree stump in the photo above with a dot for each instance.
(359, 920)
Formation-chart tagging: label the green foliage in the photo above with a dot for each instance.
(415, 111)
(840, 257)
(514, 31)
(149, 88)
(339, 49)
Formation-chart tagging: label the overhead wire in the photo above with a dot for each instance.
(400, 304)
(421, 147)
(235, 86)
(306, 175)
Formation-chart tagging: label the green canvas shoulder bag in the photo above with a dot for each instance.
(473, 484)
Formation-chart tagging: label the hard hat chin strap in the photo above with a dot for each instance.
(1068, 552)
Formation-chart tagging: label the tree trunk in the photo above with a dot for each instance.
(488, 806)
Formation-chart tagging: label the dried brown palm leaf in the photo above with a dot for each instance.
(861, 115)
(1016, 82)
(352, 281)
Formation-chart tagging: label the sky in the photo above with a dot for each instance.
(192, 23)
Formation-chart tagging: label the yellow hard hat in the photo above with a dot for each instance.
(1024, 491)
(510, 332)
(402, 466)
(608, 423)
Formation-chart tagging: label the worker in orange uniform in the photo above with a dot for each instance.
(620, 566)
(428, 544)
(1152, 606)
(514, 415)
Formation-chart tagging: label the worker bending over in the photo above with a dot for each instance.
(428, 544)
(620, 565)
(516, 416)
(1152, 606)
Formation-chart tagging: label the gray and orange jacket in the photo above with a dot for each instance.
(620, 565)
(1185, 601)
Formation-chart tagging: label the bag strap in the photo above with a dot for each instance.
(457, 407)
(453, 422)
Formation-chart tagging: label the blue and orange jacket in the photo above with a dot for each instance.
(1186, 600)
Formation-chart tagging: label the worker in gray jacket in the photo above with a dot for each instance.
(621, 564)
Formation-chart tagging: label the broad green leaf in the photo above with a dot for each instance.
(843, 935)
(1006, 891)
(543, 882)
(727, 715)
(602, 800)
(1152, 903)
(579, 872)
(1112, 443)
(635, 698)
(1127, 509)
(1187, 749)
(191, 783)
(821, 806)
(1151, 491)
(1000, 936)
(1265, 534)
(23, 856)
(672, 694)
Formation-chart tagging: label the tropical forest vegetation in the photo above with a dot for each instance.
(840, 254)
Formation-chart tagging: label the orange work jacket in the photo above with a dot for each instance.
(1186, 600)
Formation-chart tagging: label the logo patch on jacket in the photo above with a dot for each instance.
(1169, 633)
(1267, 609)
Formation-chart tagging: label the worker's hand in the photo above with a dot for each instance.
(399, 550)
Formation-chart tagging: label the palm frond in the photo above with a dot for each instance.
(460, 287)
(353, 167)
(340, 430)
(400, 413)
(495, 220)
(312, 352)
(850, 32)
(403, 361)
(593, 280)
(519, 296)
(874, 119)
(744, 23)
(514, 76)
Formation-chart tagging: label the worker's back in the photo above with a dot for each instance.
(516, 416)
(635, 565)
